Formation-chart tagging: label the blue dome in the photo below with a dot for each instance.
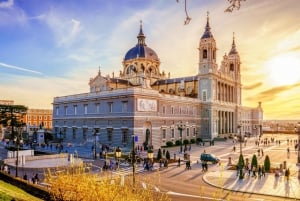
(141, 51)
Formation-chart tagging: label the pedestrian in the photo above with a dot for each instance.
(179, 162)
(25, 176)
(259, 172)
(233, 148)
(288, 152)
(263, 171)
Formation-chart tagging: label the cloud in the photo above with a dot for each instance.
(7, 4)
(253, 86)
(271, 94)
(19, 68)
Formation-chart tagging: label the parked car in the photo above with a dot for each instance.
(209, 158)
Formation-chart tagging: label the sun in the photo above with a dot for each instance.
(283, 70)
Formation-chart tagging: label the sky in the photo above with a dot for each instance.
(52, 48)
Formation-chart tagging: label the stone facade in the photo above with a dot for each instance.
(145, 102)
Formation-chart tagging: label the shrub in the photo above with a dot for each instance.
(254, 161)
(185, 142)
(199, 139)
(267, 164)
(159, 155)
(241, 162)
(169, 144)
(168, 155)
(193, 141)
(178, 142)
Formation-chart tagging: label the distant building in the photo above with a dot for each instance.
(6, 102)
(145, 101)
(37, 118)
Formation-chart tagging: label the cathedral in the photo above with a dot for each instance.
(145, 102)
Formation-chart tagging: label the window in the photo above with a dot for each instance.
(66, 110)
(110, 107)
(164, 134)
(179, 110)
(124, 136)
(74, 133)
(124, 106)
(45, 117)
(75, 109)
(187, 132)
(40, 117)
(84, 133)
(97, 108)
(231, 68)
(57, 109)
(204, 54)
(204, 95)
(194, 131)
(172, 110)
(164, 109)
(109, 135)
(85, 108)
(172, 133)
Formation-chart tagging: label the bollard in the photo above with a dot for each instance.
(174, 156)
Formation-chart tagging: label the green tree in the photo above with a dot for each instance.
(267, 164)
(254, 162)
(168, 155)
(241, 162)
(12, 116)
(159, 154)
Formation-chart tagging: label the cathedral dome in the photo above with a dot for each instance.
(141, 50)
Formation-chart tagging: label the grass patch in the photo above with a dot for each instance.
(9, 192)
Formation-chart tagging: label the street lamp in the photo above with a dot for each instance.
(118, 155)
(133, 161)
(150, 155)
(18, 141)
(180, 127)
(297, 130)
(95, 145)
(241, 159)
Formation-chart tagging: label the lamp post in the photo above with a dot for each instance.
(18, 141)
(297, 130)
(180, 127)
(133, 161)
(241, 159)
(118, 155)
(95, 145)
(150, 155)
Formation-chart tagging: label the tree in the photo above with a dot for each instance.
(168, 155)
(267, 164)
(12, 115)
(77, 183)
(159, 154)
(241, 164)
(254, 161)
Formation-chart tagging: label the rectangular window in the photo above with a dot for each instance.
(66, 110)
(194, 132)
(187, 132)
(179, 110)
(164, 109)
(164, 134)
(85, 108)
(97, 108)
(124, 136)
(110, 107)
(57, 111)
(124, 106)
(172, 133)
(109, 135)
(75, 109)
(204, 95)
(172, 110)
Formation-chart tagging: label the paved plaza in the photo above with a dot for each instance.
(218, 175)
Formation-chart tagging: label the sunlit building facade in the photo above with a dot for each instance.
(144, 101)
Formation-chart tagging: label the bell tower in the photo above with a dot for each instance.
(207, 51)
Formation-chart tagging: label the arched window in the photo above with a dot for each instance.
(231, 68)
(204, 54)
